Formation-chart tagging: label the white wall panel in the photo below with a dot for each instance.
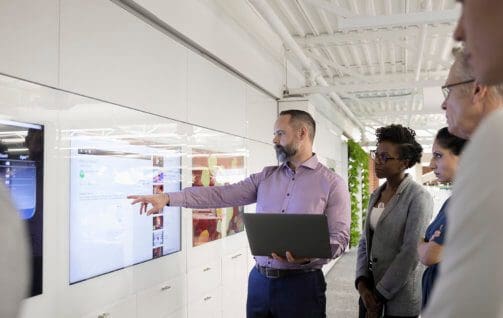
(29, 40)
(325, 143)
(216, 99)
(261, 112)
(261, 155)
(205, 23)
(110, 54)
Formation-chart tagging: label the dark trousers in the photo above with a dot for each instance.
(294, 296)
(363, 311)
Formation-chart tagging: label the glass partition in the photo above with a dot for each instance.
(92, 155)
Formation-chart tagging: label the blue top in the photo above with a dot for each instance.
(430, 274)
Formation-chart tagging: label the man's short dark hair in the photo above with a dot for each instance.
(301, 117)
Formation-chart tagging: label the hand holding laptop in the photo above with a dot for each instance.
(291, 259)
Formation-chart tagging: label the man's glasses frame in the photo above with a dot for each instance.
(446, 89)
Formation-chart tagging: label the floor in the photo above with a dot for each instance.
(342, 297)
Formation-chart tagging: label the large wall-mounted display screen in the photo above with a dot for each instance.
(21, 171)
(107, 233)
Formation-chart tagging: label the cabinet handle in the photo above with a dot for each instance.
(206, 269)
(165, 288)
(104, 315)
(207, 298)
(236, 256)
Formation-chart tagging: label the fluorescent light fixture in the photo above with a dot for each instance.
(16, 123)
(8, 141)
(14, 132)
(17, 150)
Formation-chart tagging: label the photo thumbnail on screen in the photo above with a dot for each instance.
(21, 171)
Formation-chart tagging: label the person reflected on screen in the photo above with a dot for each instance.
(444, 163)
(281, 286)
(388, 275)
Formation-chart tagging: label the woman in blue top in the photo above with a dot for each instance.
(444, 162)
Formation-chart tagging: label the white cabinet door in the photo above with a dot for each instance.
(125, 308)
(163, 299)
(209, 305)
(234, 284)
(182, 313)
(204, 280)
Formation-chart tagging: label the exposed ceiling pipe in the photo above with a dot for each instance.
(275, 22)
(422, 43)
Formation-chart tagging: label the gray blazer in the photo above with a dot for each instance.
(393, 247)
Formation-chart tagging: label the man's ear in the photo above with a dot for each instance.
(479, 92)
(303, 133)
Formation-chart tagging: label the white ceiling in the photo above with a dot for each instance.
(384, 60)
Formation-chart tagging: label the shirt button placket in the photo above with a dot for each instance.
(289, 190)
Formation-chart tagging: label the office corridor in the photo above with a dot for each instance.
(342, 297)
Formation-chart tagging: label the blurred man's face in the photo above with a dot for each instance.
(286, 140)
(481, 28)
(462, 112)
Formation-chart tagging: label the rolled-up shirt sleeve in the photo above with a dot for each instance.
(338, 214)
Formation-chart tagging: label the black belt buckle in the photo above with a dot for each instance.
(277, 273)
(269, 272)
(272, 272)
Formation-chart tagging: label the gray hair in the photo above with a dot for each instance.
(464, 71)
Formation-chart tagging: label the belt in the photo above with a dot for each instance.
(277, 273)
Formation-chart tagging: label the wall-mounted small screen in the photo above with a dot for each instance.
(21, 171)
(107, 233)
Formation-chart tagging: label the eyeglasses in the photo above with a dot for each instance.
(380, 156)
(446, 89)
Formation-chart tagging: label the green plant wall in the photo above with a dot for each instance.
(358, 171)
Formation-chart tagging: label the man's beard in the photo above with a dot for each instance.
(285, 153)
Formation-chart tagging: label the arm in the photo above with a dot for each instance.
(430, 249)
(405, 261)
(241, 193)
(362, 262)
(338, 214)
(362, 281)
(429, 252)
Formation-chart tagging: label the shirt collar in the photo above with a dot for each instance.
(310, 163)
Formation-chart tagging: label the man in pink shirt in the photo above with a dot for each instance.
(281, 285)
